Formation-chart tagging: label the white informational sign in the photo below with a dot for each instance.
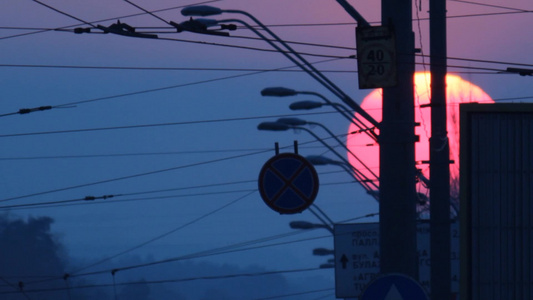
(357, 257)
(376, 57)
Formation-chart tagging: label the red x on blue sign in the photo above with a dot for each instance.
(288, 183)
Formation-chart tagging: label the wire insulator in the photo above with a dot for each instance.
(29, 110)
(230, 27)
(81, 30)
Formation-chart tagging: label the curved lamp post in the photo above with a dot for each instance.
(323, 252)
(307, 225)
(343, 110)
(280, 126)
(205, 10)
(300, 122)
(368, 184)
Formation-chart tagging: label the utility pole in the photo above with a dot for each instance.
(397, 207)
(439, 156)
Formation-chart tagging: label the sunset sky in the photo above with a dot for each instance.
(168, 126)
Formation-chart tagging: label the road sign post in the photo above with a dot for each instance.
(357, 257)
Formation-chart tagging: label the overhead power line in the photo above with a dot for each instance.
(127, 177)
(165, 234)
(156, 125)
(104, 20)
(492, 5)
(238, 247)
(178, 280)
(42, 30)
(140, 174)
(285, 69)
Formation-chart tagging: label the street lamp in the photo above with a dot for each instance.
(323, 252)
(327, 266)
(368, 184)
(300, 122)
(204, 10)
(343, 110)
(308, 225)
(284, 126)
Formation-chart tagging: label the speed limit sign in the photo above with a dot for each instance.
(376, 57)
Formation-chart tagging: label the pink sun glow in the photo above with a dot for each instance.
(457, 91)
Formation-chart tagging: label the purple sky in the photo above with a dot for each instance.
(197, 142)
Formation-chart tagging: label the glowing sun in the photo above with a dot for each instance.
(457, 91)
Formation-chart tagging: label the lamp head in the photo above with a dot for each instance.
(322, 251)
(201, 11)
(278, 92)
(307, 104)
(318, 160)
(292, 121)
(273, 126)
(301, 225)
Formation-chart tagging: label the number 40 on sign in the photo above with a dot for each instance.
(376, 57)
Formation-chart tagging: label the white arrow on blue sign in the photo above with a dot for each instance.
(394, 287)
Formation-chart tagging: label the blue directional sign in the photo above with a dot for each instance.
(288, 183)
(394, 287)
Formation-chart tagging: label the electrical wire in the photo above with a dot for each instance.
(197, 122)
(72, 104)
(491, 5)
(14, 158)
(104, 20)
(178, 86)
(64, 13)
(127, 177)
(287, 69)
(138, 175)
(239, 247)
(165, 234)
(85, 201)
(50, 157)
(42, 30)
(215, 277)
(11, 135)
(217, 251)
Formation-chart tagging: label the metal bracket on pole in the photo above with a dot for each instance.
(352, 12)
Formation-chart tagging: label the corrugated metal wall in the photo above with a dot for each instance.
(497, 195)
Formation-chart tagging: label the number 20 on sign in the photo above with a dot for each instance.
(376, 57)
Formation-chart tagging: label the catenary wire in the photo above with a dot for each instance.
(165, 234)
(64, 13)
(92, 201)
(178, 280)
(198, 122)
(104, 20)
(218, 251)
(269, 25)
(139, 175)
(231, 248)
(157, 125)
(491, 5)
(287, 69)
(72, 104)
(127, 177)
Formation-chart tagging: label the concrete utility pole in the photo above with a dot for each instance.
(439, 155)
(397, 209)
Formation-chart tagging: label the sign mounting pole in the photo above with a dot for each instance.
(397, 207)
(439, 155)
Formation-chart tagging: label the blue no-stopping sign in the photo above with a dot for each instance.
(288, 183)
